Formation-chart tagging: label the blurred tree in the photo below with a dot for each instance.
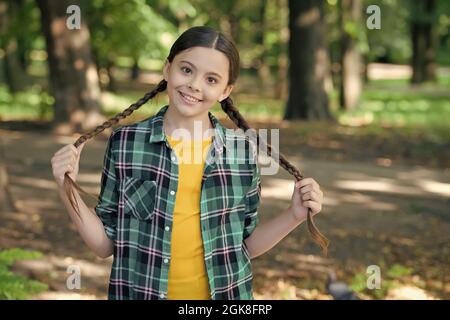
(13, 43)
(262, 66)
(180, 13)
(424, 40)
(72, 71)
(443, 32)
(391, 44)
(308, 61)
(280, 50)
(351, 70)
(129, 30)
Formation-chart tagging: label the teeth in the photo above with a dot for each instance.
(189, 98)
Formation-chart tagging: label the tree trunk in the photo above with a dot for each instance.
(308, 61)
(134, 73)
(233, 20)
(423, 36)
(351, 61)
(281, 86)
(112, 86)
(14, 72)
(262, 66)
(73, 74)
(6, 200)
(229, 23)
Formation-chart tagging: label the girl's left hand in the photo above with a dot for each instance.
(307, 194)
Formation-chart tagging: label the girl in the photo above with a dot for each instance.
(180, 229)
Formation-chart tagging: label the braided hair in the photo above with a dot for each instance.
(210, 38)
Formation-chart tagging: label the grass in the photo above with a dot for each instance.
(13, 286)
(32, 104)
(394, 276)
(410, 111)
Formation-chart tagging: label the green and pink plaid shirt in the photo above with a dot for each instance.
(136, 203)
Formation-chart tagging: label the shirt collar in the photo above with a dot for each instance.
(157, 133)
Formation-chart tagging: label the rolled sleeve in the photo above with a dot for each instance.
(106, 208)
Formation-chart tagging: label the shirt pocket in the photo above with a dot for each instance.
(139, 197)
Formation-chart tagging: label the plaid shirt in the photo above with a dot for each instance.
(136, 203)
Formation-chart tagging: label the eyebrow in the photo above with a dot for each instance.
(195, 68)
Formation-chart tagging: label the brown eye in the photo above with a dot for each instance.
(185, 69)
(214, 80)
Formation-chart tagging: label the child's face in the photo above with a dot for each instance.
(201, 73)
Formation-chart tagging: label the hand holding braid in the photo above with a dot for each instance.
(69, 184)
(232, 112)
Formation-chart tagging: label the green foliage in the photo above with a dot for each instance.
(397, 271)
(34, 103)
(389, 280)
(392, 43)
(383, 106)
(127, 28)
(22, 23)
(16, 287)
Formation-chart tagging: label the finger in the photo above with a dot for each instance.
(63, 159)
(304, 182)
(308, 181)
(66, 151)
(315, 207)
(321, 194)
(64, 156)
(61, 179)
(317, 192)
(63, 168)
(311, 195)
(306, 196)
(306, 188)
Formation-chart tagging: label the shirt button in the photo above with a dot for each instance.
(166, 260)
(172, 192)
(173, 158)
(161, 295)
(167, 228)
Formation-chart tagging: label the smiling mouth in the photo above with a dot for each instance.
(188, 98)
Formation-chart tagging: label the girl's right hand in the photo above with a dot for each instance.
(66, 159)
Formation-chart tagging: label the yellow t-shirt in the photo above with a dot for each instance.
(187, 272)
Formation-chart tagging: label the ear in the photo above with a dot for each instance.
(166, 70)
(226, 92)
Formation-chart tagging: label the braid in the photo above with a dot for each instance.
(233, 113)
(69, 184)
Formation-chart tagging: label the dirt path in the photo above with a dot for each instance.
(373, 215)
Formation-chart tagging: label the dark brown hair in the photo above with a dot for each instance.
(210, 38)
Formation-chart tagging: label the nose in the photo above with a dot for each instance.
(193, 85)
